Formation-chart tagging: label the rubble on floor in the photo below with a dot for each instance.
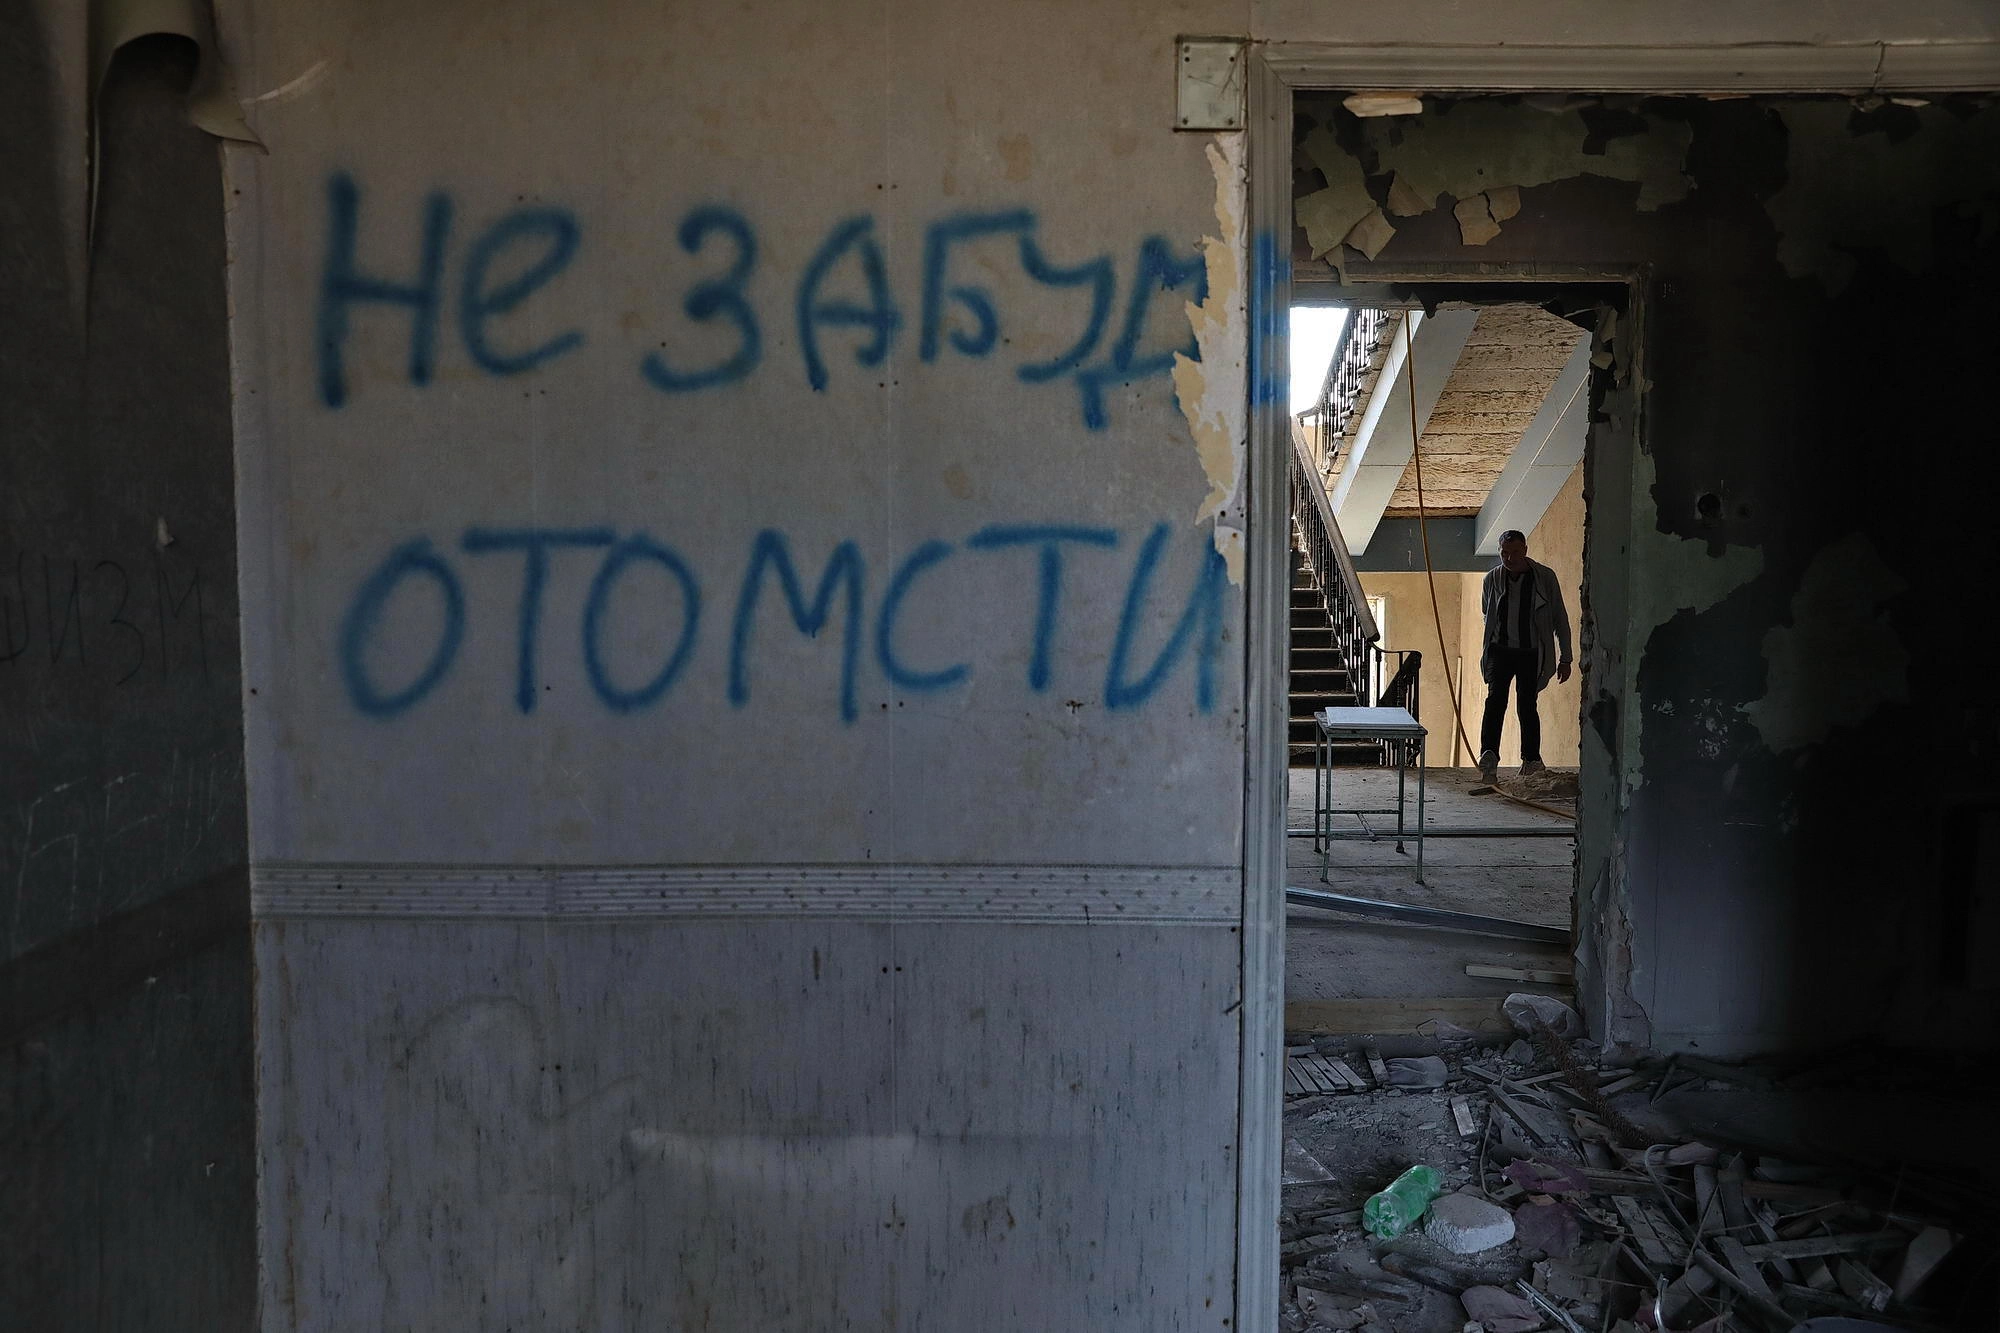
(1550, 786)
(1572, 1201)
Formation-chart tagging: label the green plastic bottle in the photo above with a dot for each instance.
(1397, 1208)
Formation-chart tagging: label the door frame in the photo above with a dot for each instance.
(1274, 71)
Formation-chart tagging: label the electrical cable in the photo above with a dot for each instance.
(1424, 533)
(1430, 574)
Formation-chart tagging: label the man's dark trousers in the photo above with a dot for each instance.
(1518, 665)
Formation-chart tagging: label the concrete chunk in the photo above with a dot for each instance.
(1465, 1225)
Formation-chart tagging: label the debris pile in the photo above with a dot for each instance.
(1570, 1200)
(1558, 785)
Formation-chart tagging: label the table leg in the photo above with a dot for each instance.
(1420, 810)
(1402, 767)
(1323, 803)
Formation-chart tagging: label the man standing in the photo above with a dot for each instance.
(1525, 619)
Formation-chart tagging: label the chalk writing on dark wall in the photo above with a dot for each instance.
(382, 263)
(115, 619)
(833, 600)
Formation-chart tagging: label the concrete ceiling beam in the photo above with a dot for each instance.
(1549, 450)
(1383, 442)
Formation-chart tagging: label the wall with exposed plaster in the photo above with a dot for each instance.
(1764, 457)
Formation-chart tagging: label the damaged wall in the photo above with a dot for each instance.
(125, 1086)
(1769, 617)
(521, 344)
(744, 667)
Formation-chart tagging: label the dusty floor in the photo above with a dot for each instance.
(1332, 955)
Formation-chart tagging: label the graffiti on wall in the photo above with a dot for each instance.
(115, 619)
(840, 303)
(840, 607)
(463, 290)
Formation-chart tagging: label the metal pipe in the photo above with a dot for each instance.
(1463, 922)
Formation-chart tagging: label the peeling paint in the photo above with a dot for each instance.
(1481, 154)
(1214, 392)
(1483, 145)
(1840, 659)
(1845, 191)
(1475, 221)
(1679, 576)
(1371, 233)
(1329, 215)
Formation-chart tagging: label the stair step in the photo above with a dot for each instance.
(1314, 700)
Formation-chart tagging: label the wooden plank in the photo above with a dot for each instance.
(1543, 1126)
(1683, 1291)
(1740, 1263)
(1604, 1181)
(1644, 1231)
(1778, 1191)
(1343, 1070)
(1707, 1202)
(1770, 1309)
(1545, 978)
(1926, 1252)
(1479, 1013)
(1813, 1247)
(1378, 1067)
(1863, 1285)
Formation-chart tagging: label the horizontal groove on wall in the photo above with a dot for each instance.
(1015, 894)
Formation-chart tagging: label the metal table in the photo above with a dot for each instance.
(1405, 736)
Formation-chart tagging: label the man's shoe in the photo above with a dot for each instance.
(1489, 766)
(1530, 767)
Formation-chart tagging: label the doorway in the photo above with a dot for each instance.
(1703, 897)
(1445, 415)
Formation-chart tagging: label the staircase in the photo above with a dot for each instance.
(1334, 644)
(1318, 669)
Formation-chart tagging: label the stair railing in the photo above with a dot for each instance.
(1333, 575)
(1338, 584)
(1340, 390)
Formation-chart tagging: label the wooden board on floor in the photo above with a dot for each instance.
(1480, 1013)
